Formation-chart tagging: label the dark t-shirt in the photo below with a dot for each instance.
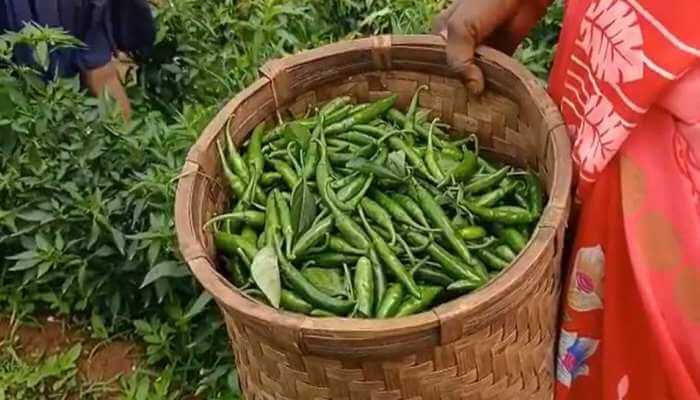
(104, 26)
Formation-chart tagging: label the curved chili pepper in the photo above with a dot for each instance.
(389, 258)
(285, 220)
(364, 115)
(464, 286)
(414, 305)
(379, 278)
(411, 208)
(505, 252)
(452, 266)
(433, 276)
(492, 260)
(472, 232)
(291, 302)
(364, 287)
(270, 178)
(308, 291)
(535, 194)
(436, 214)
(390, 303)
(289, 176)
(486, 182)
(256, 161)
(235, 160)
(341, 246)
(508, 215)
(379, 215)
(312, 236)
(230, 244)
(330, 259)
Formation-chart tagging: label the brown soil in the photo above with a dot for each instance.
(99, 362)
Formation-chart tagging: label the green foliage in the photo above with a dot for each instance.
(86, 201)
(46, 378)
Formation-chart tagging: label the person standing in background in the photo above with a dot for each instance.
(104, 26)
(627, 80)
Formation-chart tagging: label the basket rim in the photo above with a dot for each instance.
(511, 279)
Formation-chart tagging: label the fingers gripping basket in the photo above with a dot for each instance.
(497, 343)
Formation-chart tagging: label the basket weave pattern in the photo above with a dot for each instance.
(497, 343)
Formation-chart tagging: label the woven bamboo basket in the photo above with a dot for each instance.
(496, 343)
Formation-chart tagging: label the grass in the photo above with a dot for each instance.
(86, 201)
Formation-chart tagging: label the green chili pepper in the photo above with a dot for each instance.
(310, 159)
(394, 208)
(238, 277)
(249, 234)
(229, 245)
(318, 313)
(467, 167)
(327, 280)
(452, 266)
(400, 119)
(344, 181)
(438, 217)
(369, 167)
(413, 305)
(235, 183)
(310, 293)
(379, 278)
(285, 220)
(312, 236)
(291, 302)
(389, 258)
(508, 215)
(272, 224)
(486, 182)
(238, 166)
(454, 153)
(432, 276)
(254, 153)
(505, 252)
(349, 229)
(430, 161)
(330, 260)
(363, 116)
(288, 174)
(352, 188)
(535, 194)
(353, 202)
(357, 138)
(491, 198)
(464, 286)
(248, 217)
(513, 238)
(412, 108)
(411, 207)
(364, 287)
(390, 303)
(341, 246)
(334, 105)
(491, 259)
(471, 232)
(270, 178)
(376, 213)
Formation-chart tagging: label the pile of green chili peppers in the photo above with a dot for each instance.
(371, 212)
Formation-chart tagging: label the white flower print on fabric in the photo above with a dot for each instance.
(586, 286)
(600, 135)
(612, 39)
(573, 353)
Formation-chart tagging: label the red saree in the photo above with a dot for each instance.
(627, 80)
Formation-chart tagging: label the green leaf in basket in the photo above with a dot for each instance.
(397, 162)
(329, 281)
(266, 274)
(303, 208)
(296, 132)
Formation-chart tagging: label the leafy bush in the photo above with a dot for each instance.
(86, 201)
